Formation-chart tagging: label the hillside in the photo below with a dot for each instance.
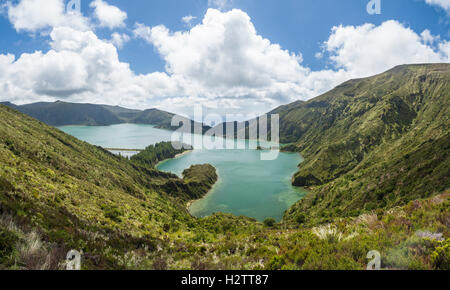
(374, 142)
(154, 117)
(80, 196)
(64, 113)
(163, 120)
(124, 114)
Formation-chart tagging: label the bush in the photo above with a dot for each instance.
(7, 242)
(269, 222)
(301, 218)
(113, 213)
(276, 263)
(153, 154)
(441, 256)
(5, 185)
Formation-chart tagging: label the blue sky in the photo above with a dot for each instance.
(310, 41)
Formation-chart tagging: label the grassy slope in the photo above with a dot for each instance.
(63, 113)
(154, 117)
(375, 142)
(200, 179)
(73, 191)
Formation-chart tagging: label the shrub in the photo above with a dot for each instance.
(7, 242)
(301, 218)
(159, 264)
(276, 263)
(269, 222)
(113, 213)
(5, 185)
(441, 256)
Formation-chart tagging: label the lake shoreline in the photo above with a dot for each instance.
(198, 210)
(175, 157)
(247, 185)
(211, 191)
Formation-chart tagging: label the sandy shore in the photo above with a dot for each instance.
(176, 156)
(211, 191)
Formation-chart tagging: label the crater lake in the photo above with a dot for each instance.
(247, 185)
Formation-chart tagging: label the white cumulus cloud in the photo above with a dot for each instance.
(188, 19)
(119, 39)
(33, 15)
(108, 15)
(368, 49)
(444, 4)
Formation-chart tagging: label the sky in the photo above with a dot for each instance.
(241, 57)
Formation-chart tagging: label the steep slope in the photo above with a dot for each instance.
(62, 113)
(124, 114)
(374, 142)
(155, 117)
(163, 120)
(82, 197)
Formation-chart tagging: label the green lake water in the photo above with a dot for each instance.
(247, 185)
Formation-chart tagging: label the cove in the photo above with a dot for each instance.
(247, 185)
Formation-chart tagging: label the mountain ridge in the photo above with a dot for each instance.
(360, 140)
(84, 114)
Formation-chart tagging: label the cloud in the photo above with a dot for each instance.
(79, 65)
(119, 39)
(224, 52)
(220, 4)
(221, 63)
(188, 19)
(108, 15)
(444, 4)
(33, 15)
(368, 49)
(225, 60)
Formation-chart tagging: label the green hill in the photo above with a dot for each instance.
(373, 142)
(64, 113)
(163, 120)
(124, 114)
(155, 117)
(80, 196)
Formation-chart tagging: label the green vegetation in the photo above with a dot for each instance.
(269, 222)
(154, 154)
(162, 119)
(63, 114)
(200, 179)
(58, 193)
(372, 143)
(81, 196)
